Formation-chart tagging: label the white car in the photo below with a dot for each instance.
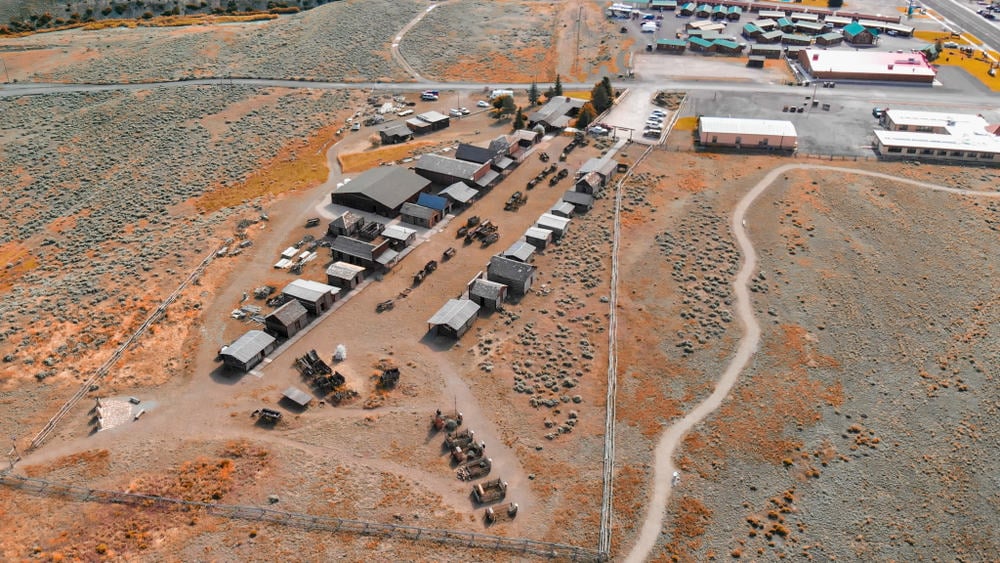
(465, 111)
(655, 118)
(455, 112)
(482, 104)
(658, 113)
(598, 130)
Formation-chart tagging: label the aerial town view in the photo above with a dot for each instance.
(493, 280)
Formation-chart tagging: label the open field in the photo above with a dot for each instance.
(325, 43)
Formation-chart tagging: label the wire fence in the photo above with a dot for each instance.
(107, 365)
(306, 521)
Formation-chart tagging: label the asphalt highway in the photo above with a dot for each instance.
(962, 16)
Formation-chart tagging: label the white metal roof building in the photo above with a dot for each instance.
(747, 133)
(939, 136)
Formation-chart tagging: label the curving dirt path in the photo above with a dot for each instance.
(664, 468)
(394, 48)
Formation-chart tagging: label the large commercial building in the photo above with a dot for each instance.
(937, 136)
(383, 190)
(747, 133)
(867, 65)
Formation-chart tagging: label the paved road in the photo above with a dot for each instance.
(942, 96)
(671, 437)
(962, 16)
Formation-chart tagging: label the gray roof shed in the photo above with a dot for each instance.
(454, 314)
(308, 290)
(249, 345)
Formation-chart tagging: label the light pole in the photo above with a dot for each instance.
(6, 74)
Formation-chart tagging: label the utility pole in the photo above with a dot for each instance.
(6, 74)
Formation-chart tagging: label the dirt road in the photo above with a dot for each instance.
(669, 440)
(397, 56)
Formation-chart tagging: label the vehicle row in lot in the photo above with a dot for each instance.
(654, 124)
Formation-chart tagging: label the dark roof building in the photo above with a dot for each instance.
(361, 253)
(346, 224)
(248, 350)
(556, 113)
(446, 171)
(419, 215)
(382, 190)
(486, 293)
(472, 153)
(455, 318)
(517, 276)
(394, 132)
(287, 320)
(581, 202)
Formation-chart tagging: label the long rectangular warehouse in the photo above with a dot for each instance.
(747, 133)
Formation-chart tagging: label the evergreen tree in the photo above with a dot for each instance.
(519, 119)
(599, 98)
(557, 89)
(533, 93)
(586, 116)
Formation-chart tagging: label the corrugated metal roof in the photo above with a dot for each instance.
(309, 290)
(509, 269)
(450, 166)
(249, 345)
(455, 313)
(488, 178)
(297, 396)
(353, 247)
(289, 312)
(398, 232)
(520, 251)
(486, 289)
(343, 270)
(387, 185)
(460, 192)
(432, 201)
(418, 211)
(733, 125)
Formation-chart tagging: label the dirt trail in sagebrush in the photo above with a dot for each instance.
(397, 55)
(664, 468)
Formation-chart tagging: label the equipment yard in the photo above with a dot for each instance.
(207, 356)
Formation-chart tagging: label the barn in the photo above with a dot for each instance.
(382, 190)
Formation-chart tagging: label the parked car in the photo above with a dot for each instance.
(598, 130)
(455, 112)
(658, 113)
(356, 126)
(655, 118)
(465, 111)
(482, 104)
